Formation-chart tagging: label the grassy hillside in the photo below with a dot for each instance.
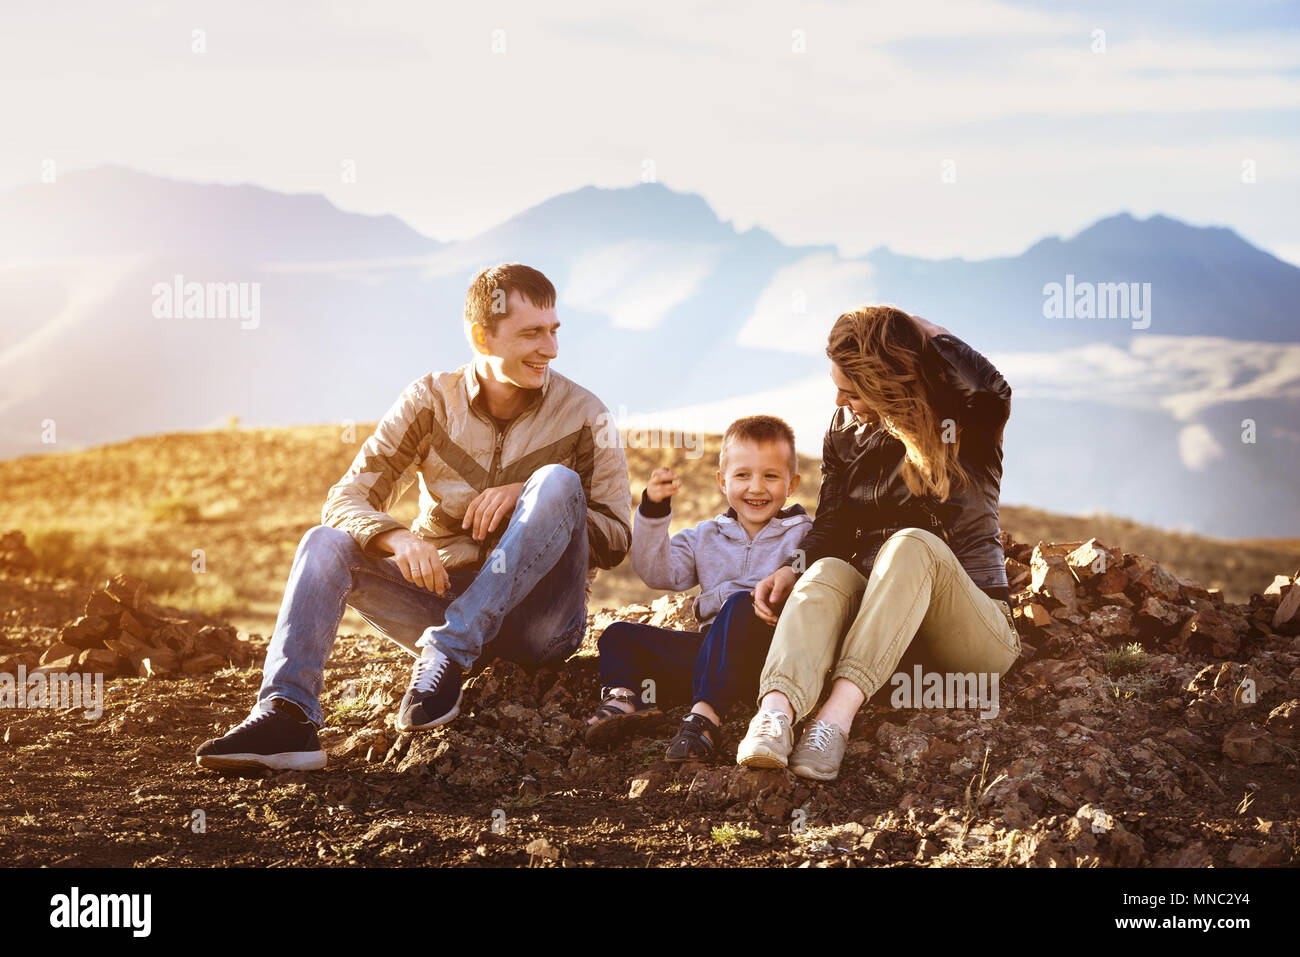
(212, 519)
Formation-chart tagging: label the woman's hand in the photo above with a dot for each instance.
(772, 592)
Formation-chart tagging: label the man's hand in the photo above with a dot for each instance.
(489, 507)
(663, 484)
(416, 558)
(772, 591)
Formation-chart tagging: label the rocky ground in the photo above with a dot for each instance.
(1147, 723)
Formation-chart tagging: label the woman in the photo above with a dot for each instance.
(905, 541)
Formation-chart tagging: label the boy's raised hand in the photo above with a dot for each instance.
(663, 484)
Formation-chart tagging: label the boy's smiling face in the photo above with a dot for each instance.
(756, 479)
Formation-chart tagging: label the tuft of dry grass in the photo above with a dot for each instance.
(175, 511)
(1125, 660)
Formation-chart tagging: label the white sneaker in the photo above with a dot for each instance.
(820, 752)
(768, 742)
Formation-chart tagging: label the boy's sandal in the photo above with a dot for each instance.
(614, 723)
(690, 744)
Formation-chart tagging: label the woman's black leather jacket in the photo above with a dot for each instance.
(863, 497)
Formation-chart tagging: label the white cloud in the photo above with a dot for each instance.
(1180, 374)
(637, 283)
(1197, 447)
(796, 310)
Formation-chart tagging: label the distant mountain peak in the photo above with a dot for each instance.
(115, 209)
(1158, 234)
(603, 213)
(1126, 228)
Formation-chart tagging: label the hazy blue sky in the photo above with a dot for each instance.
(844, 142)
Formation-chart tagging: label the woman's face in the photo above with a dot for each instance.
(846, 395)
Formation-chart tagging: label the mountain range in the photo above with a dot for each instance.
(1186, 418)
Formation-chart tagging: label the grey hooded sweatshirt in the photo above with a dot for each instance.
(717, 555)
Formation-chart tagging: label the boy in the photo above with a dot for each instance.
(726, 556)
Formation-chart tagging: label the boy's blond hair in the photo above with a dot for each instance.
(759, 428)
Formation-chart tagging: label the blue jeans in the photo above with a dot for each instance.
(527, 604)
(719, 667)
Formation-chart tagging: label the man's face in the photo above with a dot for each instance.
(846, 395)
(522, 345)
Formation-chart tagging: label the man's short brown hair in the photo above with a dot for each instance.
(485, 302)
(756, 429)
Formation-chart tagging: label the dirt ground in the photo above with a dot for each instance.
(1078, 769)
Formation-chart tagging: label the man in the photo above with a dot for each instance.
(520, 504)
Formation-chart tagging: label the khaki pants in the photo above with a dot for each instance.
(862, 626)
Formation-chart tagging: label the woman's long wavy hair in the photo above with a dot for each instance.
(879, 350)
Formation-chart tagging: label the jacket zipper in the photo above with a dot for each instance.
(496, 454)
(492, 475)
(875, 486)
(875, 501)
(754, 541)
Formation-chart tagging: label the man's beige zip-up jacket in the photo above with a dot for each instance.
(440, 429)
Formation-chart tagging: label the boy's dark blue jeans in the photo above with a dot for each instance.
(718, 668)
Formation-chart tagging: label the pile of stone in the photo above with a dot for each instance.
(15, 557)
(122, 634)
(667, 611)
(1066, 590)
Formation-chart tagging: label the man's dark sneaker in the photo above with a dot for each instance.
(433, 697)
(281, 739)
